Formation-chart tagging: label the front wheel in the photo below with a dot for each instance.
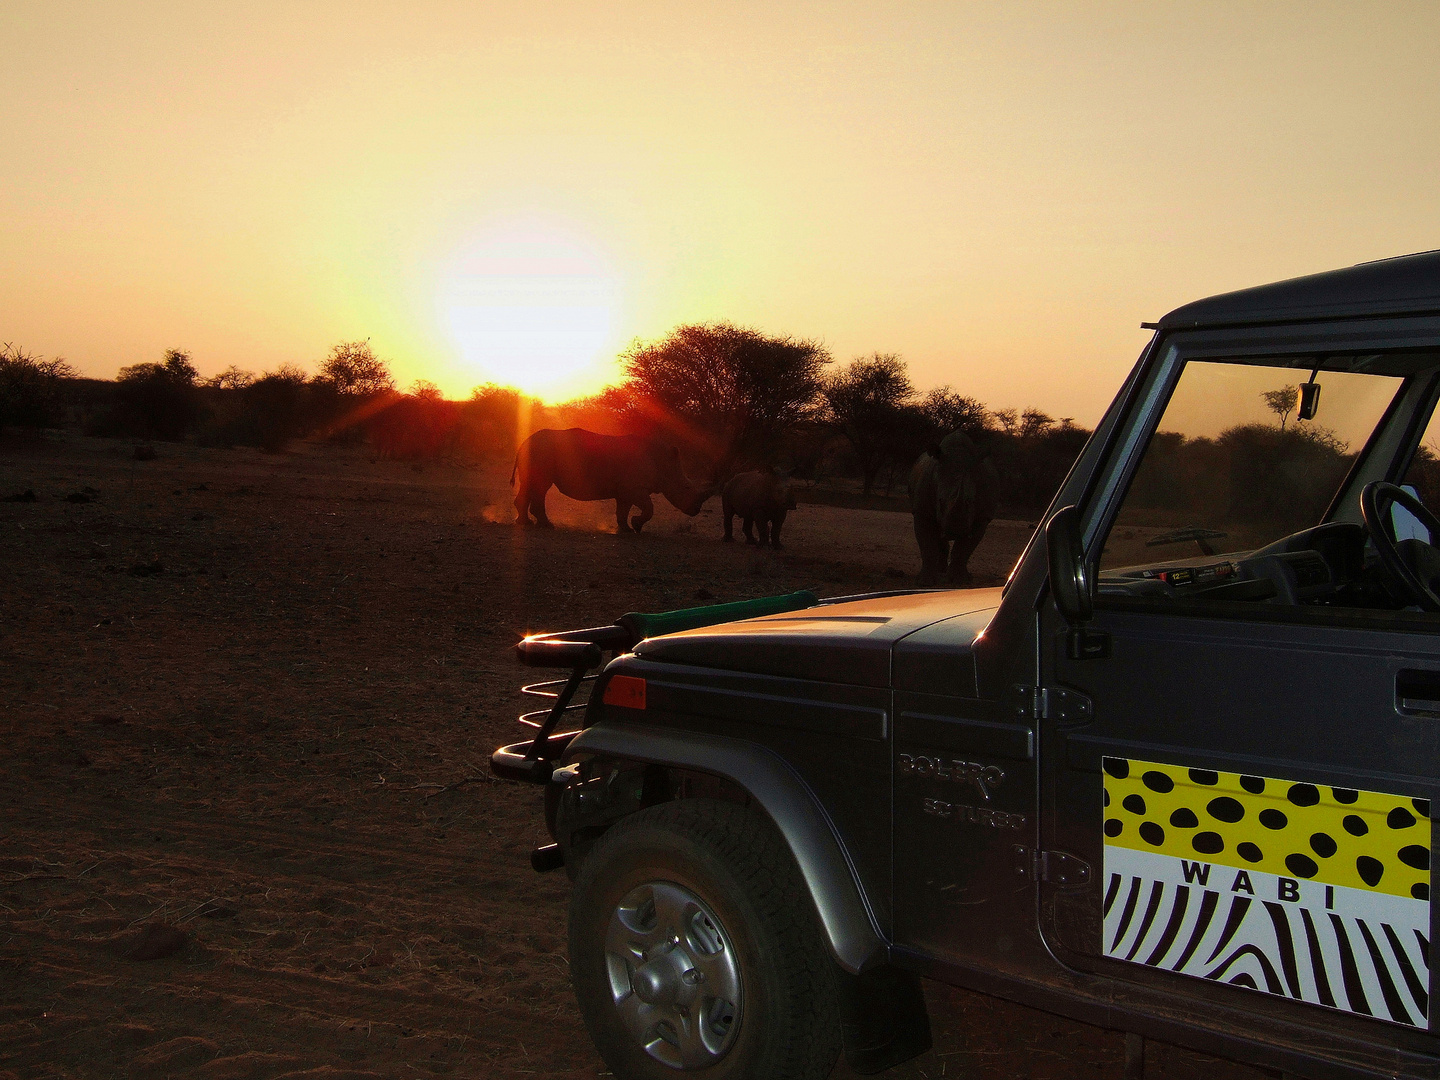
(693, 947)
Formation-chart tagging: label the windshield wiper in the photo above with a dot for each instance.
(1193, 532)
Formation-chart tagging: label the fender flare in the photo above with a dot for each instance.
(845, 918)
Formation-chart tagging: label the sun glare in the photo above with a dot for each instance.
(532, 307)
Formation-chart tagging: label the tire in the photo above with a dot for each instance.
(696, 896)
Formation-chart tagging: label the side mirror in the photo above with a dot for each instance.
(1069, 578)
(1309, 400)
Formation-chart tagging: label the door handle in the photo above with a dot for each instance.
(1417, 692)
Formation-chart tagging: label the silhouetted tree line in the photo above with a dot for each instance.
(1253, 481)
(731, 397)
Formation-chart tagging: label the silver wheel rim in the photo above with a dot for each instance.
(674, 976)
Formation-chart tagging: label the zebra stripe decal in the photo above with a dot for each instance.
(1189, 888)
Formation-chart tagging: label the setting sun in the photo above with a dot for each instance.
(532, 307)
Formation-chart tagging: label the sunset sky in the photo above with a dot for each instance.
(508, 191)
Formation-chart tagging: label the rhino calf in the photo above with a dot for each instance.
(761, 497)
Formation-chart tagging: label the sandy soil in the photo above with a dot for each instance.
(246, 824)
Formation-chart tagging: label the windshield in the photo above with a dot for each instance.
(1232, 467)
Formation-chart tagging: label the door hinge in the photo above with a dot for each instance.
(1050, 703)
(1052, 867)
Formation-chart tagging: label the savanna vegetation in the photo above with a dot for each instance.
(730, 397)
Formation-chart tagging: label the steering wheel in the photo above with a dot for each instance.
(1375, 502)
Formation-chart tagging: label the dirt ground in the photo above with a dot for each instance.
(246, 825)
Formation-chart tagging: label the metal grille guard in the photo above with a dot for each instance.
(581, 651)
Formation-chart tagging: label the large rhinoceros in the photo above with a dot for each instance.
(588, 466)
(953, 489)
(761, 497)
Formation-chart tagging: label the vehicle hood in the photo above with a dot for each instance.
(849, 642)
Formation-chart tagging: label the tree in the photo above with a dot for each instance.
(352, 368)
(425, 390)
(1033, 422)
(32, 390)
(729, 391)
(179, 368)
(1281, 402)
(948, 411)
(867, 401)
(1008, 420)
(232, 378)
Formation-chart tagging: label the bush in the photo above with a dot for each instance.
(155, 401)
(415, 428)
(273, 410)
(1033, 460)
(33, 391)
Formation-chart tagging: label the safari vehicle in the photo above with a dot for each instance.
(1175, 778)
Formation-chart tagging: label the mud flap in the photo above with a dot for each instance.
(883, 1020)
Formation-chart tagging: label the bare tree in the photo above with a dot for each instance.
(425, 390)
(1281, 402)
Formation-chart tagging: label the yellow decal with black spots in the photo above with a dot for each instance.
(1320, 894)
(1344, 836)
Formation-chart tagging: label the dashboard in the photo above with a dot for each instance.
(1324, 565)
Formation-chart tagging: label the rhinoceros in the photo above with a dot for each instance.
(953, 489)
(759, 496)
(587, 466)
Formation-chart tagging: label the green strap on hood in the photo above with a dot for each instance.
(643, 626)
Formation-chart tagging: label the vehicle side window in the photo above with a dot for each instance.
(1231, 468)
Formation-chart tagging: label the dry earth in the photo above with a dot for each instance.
(246, 826)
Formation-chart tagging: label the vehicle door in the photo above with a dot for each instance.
(1252, 780)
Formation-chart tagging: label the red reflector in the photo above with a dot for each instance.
(626, 691)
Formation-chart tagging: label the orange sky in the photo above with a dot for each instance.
(998, 192)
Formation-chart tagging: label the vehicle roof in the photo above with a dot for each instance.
(1405, 285)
